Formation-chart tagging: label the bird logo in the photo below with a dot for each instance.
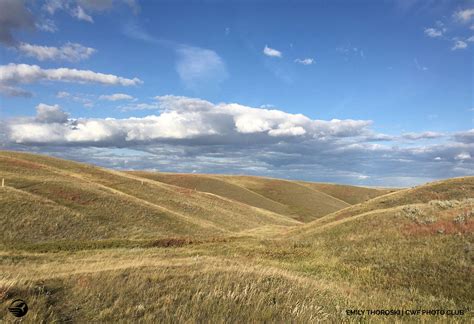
(18, 308)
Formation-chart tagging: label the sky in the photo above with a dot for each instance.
(374, 93)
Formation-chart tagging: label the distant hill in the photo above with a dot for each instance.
(47, 199)
(349, 194)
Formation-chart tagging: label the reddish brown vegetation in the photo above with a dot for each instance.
(22, 164)
(439, 227)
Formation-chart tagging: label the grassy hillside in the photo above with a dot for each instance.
(302, 203)
(417, 242)
(86, 244)
(82, 202)
(451, 189)
(215, 185)
(350, 194)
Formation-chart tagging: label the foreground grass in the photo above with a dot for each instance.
(243, 280)
(403, 262)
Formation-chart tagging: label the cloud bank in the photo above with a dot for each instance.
(194, 134)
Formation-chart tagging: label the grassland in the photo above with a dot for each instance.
(86, 244)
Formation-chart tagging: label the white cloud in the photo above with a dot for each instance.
(464, 15)
(306, 61)
(51, 6)
(116, 97)
(459, 45)
(271, 52)
(71, 52)
(80, 9)
(199, 66)
(13, 74)
(423, 135)
(47, 25)
(50, 114)
(463, 156)
(85, 99)
(80, 14)
(433, 32)
(470, 39)
(62, 94)
(185, 118)
(194, 134)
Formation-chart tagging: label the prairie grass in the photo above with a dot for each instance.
(84, 244)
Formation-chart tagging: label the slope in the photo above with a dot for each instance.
(350, 194)
(418, 239)
(217, 186)
(47, 198)
(302, 203)
(450, 189)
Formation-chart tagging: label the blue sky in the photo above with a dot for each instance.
(363, 92)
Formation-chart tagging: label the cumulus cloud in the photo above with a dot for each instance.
(116, 97)
(50, 114)
(464, 15)
(459, 44)
(187, 119)
(71, 52)
(306, 61)
(13, 15)
(199, 66)
(194, 134)
(13, 74)
(271, 52)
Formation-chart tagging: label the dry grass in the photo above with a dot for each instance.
(303, 203)
(349, 194)
(83, 202)
(86, 244)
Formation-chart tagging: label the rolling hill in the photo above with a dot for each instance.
(83, 202)
(88, 244)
